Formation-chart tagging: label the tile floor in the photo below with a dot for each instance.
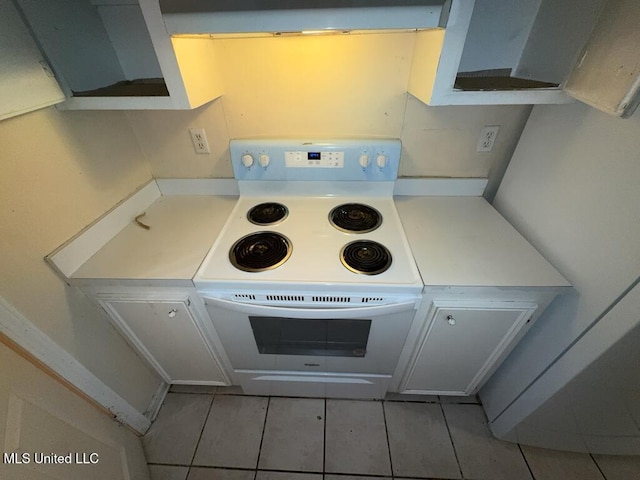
(207, 433)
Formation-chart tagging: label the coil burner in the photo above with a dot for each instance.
(260, 251)
(365, 257)
(267, 213)
(355, 218)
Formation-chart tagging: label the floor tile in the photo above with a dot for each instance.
(232, 434)
(287, 476)
(166, 472)
(407, 397)
(206, 389)
(481, 456)
(174, 435)
(356, 440)
(219, 474)
(293, 435)
(618, 467)
(349, 477)
(419, 441)
(554, 464)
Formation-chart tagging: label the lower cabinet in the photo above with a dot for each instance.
(172, 332)
(461, 343)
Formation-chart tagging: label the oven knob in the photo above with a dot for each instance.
(247, 160)
(364, 160)
(264, 160)
(381, 160)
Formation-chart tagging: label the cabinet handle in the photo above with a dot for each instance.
(172, 313)
(450, 320)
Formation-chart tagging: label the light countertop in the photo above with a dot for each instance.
(464, 241)
(456, 241)
(183, 228)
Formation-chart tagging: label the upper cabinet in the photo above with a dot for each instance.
(116, 54)
(161, 54)
(26, 82)
(531, 51)
(502, 51)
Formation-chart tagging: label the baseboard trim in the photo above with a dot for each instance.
(156, 401)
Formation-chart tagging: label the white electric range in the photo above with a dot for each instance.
(311, 285)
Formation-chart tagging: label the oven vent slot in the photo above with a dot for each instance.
(331, 299)
(285, 298)
(245, 296)
(372, 299)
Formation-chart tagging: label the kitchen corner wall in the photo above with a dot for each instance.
(572, 191)
(328, 86)
(60, 172)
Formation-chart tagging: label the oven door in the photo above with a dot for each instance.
(344, 340)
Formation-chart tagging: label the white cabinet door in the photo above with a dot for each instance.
(608, 74)
(462, 344)
(167, 334)
(26, 83)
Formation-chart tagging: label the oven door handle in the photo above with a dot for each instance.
(305, 313)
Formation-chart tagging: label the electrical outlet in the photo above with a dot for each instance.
(199, 139)
(487, 138)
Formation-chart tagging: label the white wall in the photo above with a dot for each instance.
(572, 190)
(442, 141)
(323, 87)
(61, 171)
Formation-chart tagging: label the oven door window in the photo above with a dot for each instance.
(315, 337)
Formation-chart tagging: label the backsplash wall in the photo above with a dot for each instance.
(327, 86)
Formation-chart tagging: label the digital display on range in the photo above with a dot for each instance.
(313, 155)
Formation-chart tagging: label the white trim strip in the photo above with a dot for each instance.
(20, 330)
(70, 256)
(156, 401)
(446, 187)
(198, 186)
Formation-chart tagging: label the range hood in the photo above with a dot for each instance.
(224, 17)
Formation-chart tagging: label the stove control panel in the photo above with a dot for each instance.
(293, 159)
(317, 159)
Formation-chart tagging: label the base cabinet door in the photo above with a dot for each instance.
(168, 335)
(462, 344)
